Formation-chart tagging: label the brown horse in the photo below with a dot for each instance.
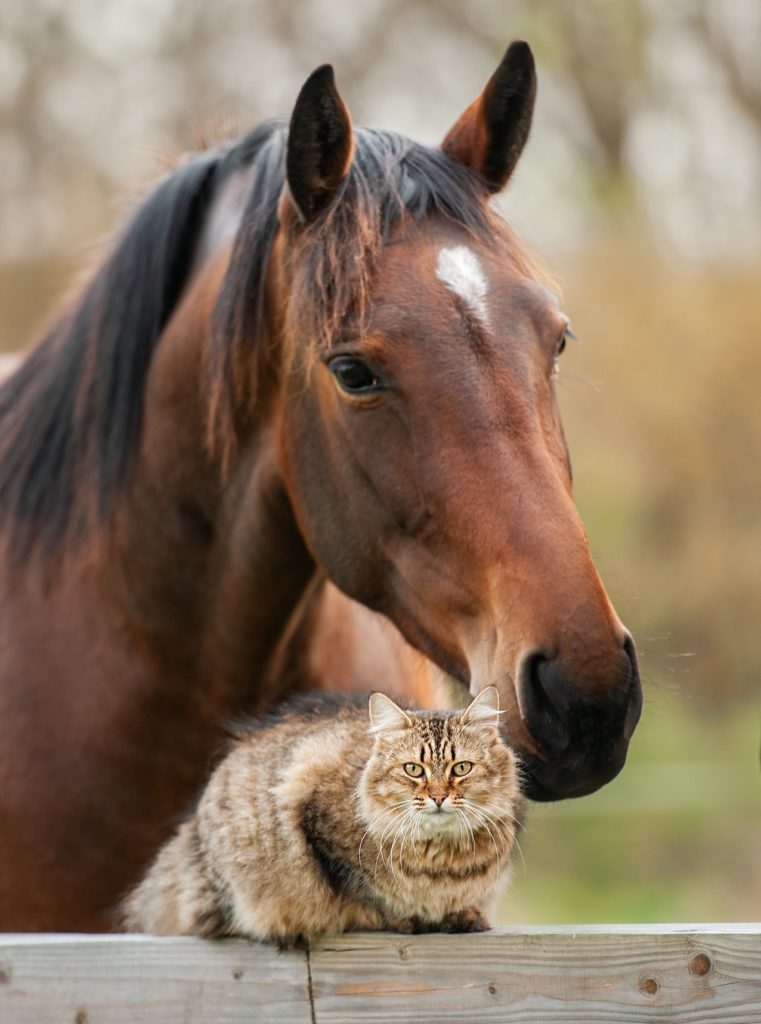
(314, 355)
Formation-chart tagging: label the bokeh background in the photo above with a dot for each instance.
(641, 191)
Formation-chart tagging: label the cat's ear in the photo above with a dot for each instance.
(483, 710)
(385, 716)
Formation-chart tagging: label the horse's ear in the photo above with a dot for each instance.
(490, 136)
(320, 143)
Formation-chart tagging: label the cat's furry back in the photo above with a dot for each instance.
(314, 823)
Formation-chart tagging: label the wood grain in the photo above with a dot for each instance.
(678, 974)
(675, 974)
(128, 979)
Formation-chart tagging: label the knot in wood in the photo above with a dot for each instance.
(700, 964)
(649, 986)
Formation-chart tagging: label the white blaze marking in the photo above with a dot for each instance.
(460, 270)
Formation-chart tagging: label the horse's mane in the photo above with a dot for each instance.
(71, 415)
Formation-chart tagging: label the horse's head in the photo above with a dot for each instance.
(419, 430)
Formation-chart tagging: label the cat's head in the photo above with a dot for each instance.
(439, 773)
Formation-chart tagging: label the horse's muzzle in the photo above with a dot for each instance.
(582, 732)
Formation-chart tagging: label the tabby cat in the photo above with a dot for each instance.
(320, 820)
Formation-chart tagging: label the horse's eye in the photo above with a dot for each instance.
(354, 375)
(567, 333)
(560, 349)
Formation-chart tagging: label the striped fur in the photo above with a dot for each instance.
(311, 824)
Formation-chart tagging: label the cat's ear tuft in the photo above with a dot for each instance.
(385, 716)
(483, 710)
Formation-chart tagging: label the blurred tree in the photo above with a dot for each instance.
(741, 69)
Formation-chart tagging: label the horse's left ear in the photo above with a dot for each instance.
(490, 136)
(320, 143)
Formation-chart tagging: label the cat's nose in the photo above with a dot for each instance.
(438, 800)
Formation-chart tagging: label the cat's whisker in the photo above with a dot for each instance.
(404, 828)
(469, 834)
(517, 845)
(484, 822)
(487, 808)
(390, 834)
(382, 841)
(500, 826)
(411, 831)
(389, 826)
(417, 825)
(397, 833)
(466, 823)
(513, 835)
(375, 820)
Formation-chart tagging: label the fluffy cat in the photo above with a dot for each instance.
(320, 820)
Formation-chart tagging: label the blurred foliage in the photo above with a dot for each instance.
(665, 430)
(674, 838)
(641, 104)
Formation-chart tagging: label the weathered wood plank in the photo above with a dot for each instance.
(676, 974)
(683, 974)
(81, 979)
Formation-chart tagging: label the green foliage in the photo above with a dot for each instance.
(674, 838)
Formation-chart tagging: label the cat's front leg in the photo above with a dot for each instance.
(470, 919)
(288, 942)
(412, 925)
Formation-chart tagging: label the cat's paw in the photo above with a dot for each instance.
(467, 920)
(289, 943)
(410, 925)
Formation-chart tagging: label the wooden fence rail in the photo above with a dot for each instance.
(695, 974)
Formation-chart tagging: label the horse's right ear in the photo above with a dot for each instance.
(491, 133)
(320, 144)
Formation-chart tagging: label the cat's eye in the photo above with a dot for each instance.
(461, 768)
(414, 770)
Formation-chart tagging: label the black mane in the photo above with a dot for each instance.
(71, 416)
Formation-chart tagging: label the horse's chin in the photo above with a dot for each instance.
(543, 782)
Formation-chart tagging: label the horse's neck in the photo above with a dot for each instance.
(206, 572)
(333, 643)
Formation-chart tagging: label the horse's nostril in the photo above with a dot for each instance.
(544, 704)
(562, 710)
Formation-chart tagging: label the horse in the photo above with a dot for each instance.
(302, 414)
